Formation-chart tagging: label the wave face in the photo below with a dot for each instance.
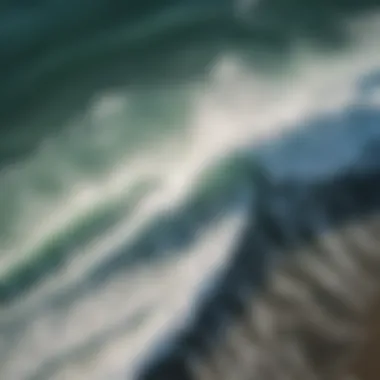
(132, 138)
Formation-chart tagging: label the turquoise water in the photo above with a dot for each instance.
(131, 139)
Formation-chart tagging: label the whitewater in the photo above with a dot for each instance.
(114, 224)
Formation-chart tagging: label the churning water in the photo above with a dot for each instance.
(129, 137)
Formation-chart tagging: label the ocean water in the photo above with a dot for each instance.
(130, 137)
